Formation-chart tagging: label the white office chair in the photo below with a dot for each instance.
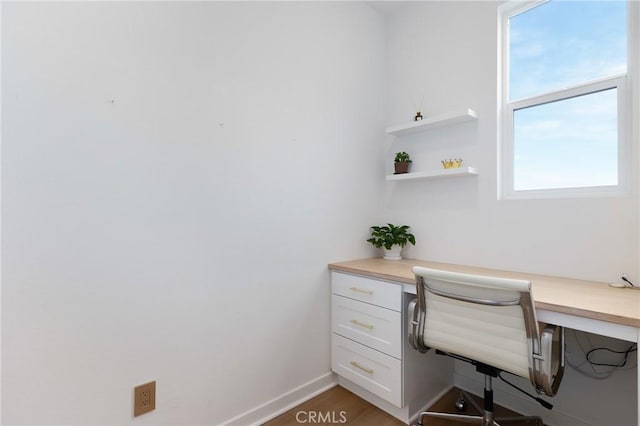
(491, 323)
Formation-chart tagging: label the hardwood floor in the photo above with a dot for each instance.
(339, 406)
(344, 406)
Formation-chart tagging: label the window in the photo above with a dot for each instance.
(563, 100)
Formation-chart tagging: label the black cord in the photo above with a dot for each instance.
(626, 280)
(541, 401)
(626, 353)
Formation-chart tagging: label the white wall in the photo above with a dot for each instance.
(447, 52)
(0, 214)
(175, 179)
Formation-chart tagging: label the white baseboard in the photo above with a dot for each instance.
(283, 403)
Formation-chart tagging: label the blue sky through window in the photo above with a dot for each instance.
(564, 43)
(558, 44)
(568, 144)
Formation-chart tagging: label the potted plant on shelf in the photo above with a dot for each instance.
(392, 239)
(402, 163)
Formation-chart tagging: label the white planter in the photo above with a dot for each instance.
(393, 253)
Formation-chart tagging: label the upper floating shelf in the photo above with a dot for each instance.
(434, 122)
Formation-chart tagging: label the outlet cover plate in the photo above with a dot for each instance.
(144, 398)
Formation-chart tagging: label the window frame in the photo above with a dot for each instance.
(506, 190)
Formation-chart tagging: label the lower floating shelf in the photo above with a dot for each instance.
(435, 174)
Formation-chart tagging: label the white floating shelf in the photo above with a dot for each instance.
(433, 122)
(434, 174)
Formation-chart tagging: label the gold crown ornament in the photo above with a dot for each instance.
(452, 163)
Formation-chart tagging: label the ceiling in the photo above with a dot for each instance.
(387, 7)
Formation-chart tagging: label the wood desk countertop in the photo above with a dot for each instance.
(588, 299)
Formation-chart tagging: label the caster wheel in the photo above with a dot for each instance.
(461, 404)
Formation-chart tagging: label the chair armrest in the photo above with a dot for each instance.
(552, 362)
(415, 326)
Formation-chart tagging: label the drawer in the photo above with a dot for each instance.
(376, 372)
(373, 326)
(367, 290)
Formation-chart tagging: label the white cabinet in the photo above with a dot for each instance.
(367, 334)
(375, 371)
(374, 292)
(370, 325)
(369, 350)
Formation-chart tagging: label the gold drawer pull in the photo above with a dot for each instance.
(361, 324)
(359, 290)
(365, 369)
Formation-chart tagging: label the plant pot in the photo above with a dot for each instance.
(401, 168)
(393, 253)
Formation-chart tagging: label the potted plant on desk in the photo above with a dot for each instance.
(392, 239)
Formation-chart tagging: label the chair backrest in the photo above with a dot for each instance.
(487, 319)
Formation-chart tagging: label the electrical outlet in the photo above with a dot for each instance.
(144, 398)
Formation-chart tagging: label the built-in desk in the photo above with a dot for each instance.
(589, 306)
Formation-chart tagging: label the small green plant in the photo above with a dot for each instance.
(402, 157)
(388, 235)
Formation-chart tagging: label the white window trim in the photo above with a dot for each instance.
(506, 109)
(618, 83)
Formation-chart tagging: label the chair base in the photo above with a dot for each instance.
(486, 419)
